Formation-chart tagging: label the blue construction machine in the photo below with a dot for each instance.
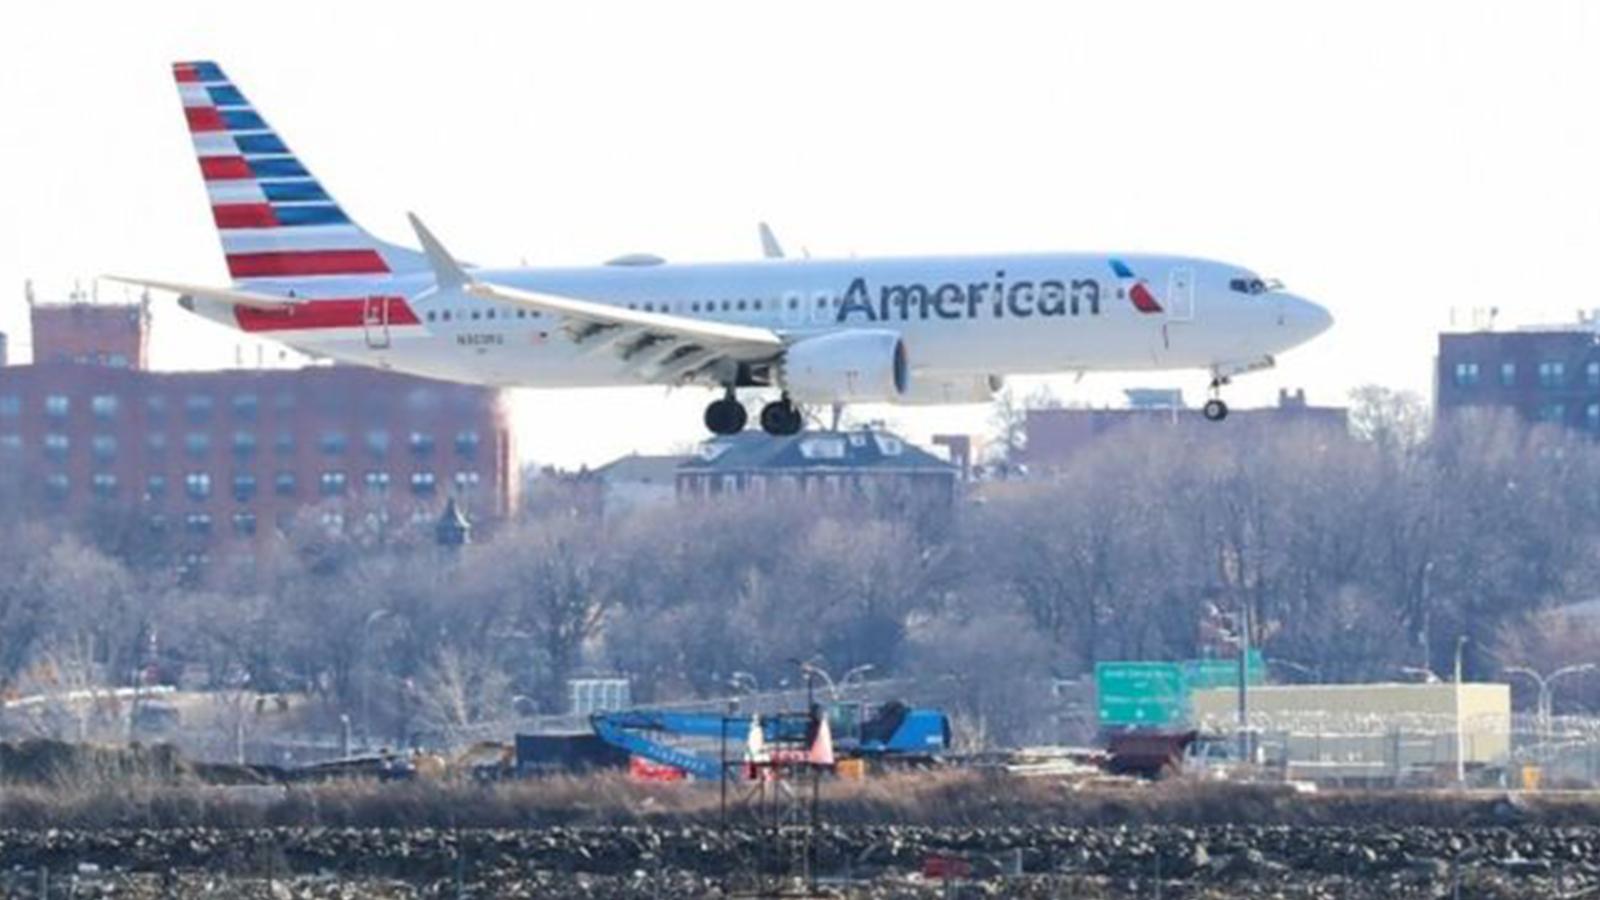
(698, 742)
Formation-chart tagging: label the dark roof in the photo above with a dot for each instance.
(815, 451)
(642, 469)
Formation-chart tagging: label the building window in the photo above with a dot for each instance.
(244, 487)
(57, 406)
(467, 444)
(377, 483)
(11, 443)
(155, 487)
(56, 446)
(104, 485)
(283, 444)
(421, 443)
(244, 444)
(244, 523)
(1555, 413)
(197, 523)
(1591, 374)
(104, 447)
(466, 482)
(1591, 416)
(156, 443)
(333, 483)
(1552, 374)
(155, 408)
(104, 406)
(378, 442)
(245, 406)
(198, 407)
(197, 443)
(333, 520)
(334, 443)
(1508, 374)
(57, 485)
(1466, 374)
(422, 483)
(10, 406)
(283, 484)
(283, 401)
(198, 484)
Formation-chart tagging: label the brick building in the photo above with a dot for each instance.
(869, 464)
(201, 457)
(1055, 436)
(1546, 375)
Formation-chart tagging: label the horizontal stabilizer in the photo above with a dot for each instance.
(230, 296)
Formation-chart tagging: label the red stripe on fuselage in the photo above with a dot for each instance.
(224, 168)
(306, 262)
(322, 314)
(244, 215)
(203, 118)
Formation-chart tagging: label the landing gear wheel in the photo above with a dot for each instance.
(781, 418)
(726, 416)
(1214, 410)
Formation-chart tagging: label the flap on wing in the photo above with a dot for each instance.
(230, 296)
(699, 330)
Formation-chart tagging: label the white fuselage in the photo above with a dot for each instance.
(959, 317)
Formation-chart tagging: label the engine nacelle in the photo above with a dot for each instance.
(933, 391)
(857, 366)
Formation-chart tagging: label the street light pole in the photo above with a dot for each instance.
(1244, 682)
(1461, 762)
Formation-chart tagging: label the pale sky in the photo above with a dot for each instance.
(1390, 160)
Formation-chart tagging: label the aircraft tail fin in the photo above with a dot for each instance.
(276, 221)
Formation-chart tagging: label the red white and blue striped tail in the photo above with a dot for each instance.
(276, 221)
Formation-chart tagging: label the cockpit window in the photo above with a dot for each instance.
(1253, 285)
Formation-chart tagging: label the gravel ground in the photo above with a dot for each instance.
(882, 861)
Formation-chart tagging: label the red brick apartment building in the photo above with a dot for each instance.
(1546, 374)
(205, 457)
(1056, 436)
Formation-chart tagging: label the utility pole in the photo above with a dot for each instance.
(1245, 756)
(1461, 761)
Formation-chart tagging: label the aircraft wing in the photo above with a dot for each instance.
(661, 347)
(230, 296)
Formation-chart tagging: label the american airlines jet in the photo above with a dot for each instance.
(917, 330)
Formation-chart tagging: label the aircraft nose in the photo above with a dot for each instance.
(1304, 318)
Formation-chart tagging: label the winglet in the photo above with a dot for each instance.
(770, 248)
(446, 271)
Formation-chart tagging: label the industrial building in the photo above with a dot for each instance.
(1545, 374)
(1055, 436)
(1369, 733)
(201, 457)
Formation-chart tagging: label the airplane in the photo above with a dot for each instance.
(821, 332)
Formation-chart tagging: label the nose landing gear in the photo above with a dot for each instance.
(1215, 410)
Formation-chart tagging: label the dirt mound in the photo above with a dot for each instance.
(43, 762)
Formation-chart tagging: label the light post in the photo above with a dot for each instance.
(373, 618)
(1545, 703)
(1461, 761)
(856, 672)
(745, 680)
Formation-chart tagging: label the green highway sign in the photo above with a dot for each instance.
(1200, 674)
(1141, 693)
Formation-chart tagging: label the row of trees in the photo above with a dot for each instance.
(1356, 555)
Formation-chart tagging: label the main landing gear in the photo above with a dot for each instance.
(779, 418)
(1215, 410)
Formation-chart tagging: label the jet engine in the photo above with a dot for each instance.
(933, 391)
(856, 366)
